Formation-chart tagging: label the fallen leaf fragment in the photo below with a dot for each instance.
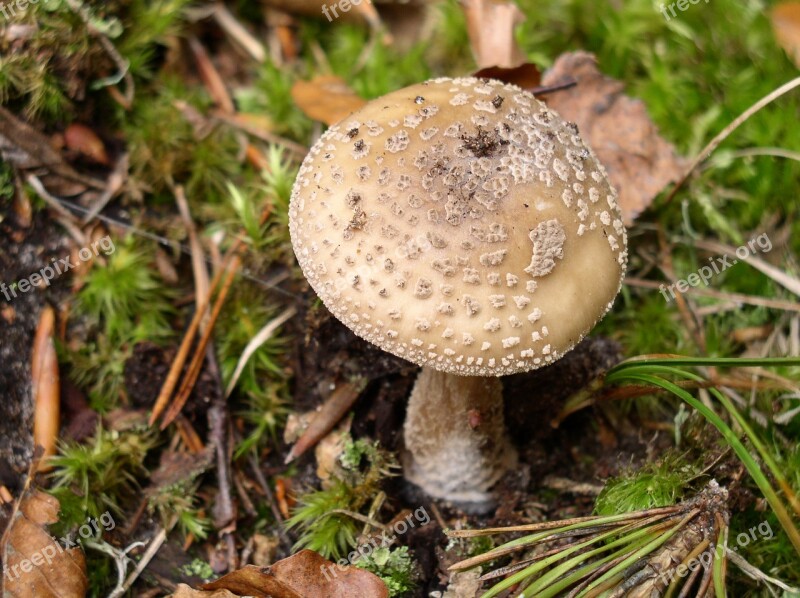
(27, 149)
(331, 412)
(525, 76)
(85, 141)
(302, 575)
(185, 591)
(491, 25)
(785, 19)
(253, 581)
(36, 565)
(640, 163)
(46, 386)
(327, 99)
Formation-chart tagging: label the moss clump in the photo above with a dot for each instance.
(656, 484)
(332, 534)
(395, 567)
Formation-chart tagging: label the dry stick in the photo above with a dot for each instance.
(186, 345)
(788, 282)
(231, 261)
(68, 221)
(296, 150)
(332, 411)
(737, 297)
(196, 365)
(689, 583)
(722, 135)
(225, 512)
(239, 33)
(113, 185)
(690, 318)
(183, 352)
(155, 545)
(273, 505)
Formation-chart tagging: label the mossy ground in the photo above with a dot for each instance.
(695, 73)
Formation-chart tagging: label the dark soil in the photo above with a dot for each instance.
(22, 253)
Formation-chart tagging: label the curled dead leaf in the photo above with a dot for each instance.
(640, 163)
(184, 591)
(327, 99)
(46, 387)
(525, 76)
(785, 19)
(302, 575)
(36, 565)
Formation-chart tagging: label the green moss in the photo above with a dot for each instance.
(101, 475)
(395, 567)
(166, 149)
(364, 466)
(120, 305)
(654, 485)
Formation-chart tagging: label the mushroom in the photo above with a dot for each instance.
(462, 225)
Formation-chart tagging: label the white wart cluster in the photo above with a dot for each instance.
(461, 225)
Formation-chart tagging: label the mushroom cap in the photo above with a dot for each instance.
(462, 225)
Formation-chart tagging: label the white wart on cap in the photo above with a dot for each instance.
(462, 225)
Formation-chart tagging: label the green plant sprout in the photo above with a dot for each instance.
(100, 475)
(621, 540)
(325, 517)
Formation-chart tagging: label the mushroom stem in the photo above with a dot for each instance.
(455, 437)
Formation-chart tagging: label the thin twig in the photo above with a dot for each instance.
(155, 545)
(196, 365)
(113, 185)
(361, 518)
(737, 297)
(273, 505)
(238, 33)
(257, 341)
(722, 135)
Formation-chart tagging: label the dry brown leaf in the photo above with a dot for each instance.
(46, 387)
(185, 591)
(28, 149)
(327, 99)
(491, 25)
(640, 163)
(525, 76)
(85, 141)
(302, 575)
(253, 581)
(786, 25)
(36, 565)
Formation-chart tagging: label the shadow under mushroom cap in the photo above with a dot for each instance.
(462, 225)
